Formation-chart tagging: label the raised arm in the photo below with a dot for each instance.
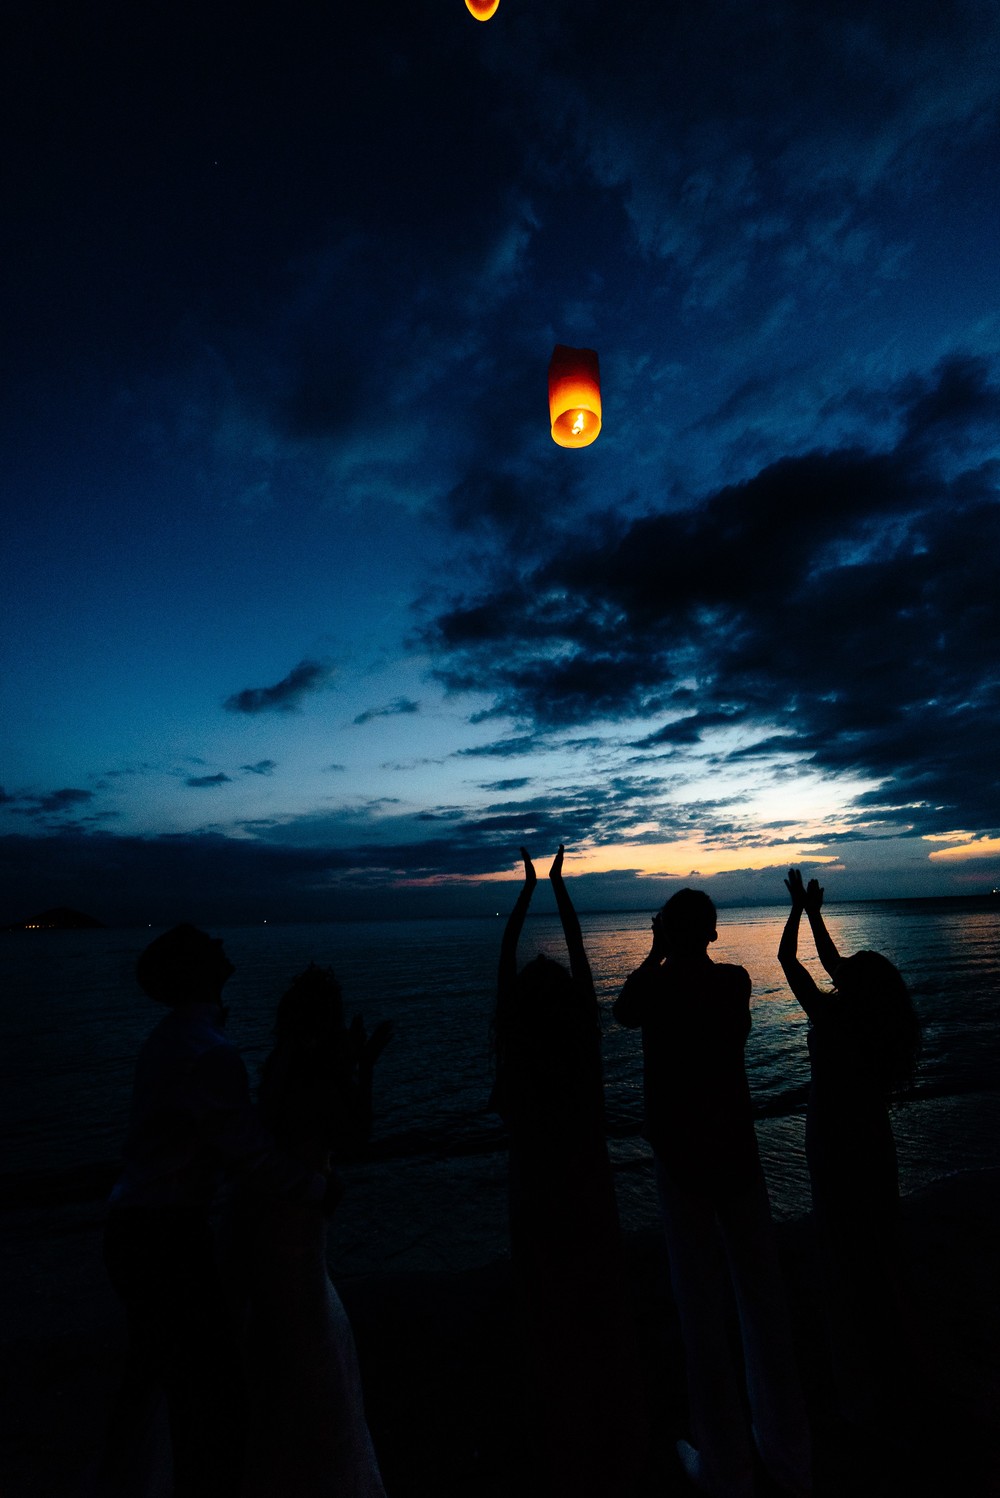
(825, 946)
(578, 964)
(801, 982)
(365, 1050)
(507, 975)
(641, 985)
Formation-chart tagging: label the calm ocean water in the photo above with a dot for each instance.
(432, 1194)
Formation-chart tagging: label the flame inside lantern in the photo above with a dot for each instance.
(482, 9)
(574, 396)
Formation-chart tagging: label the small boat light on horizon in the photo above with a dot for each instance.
(574, 396)
(482, 9)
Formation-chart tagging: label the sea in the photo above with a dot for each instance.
(431, 1193)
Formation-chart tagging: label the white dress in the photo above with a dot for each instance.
(308, 1435)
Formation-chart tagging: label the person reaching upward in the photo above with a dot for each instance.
(564, 1233)
(695, 1019)
(864, 1041)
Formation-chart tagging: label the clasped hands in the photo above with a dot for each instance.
(366, 1048)
(807, 897)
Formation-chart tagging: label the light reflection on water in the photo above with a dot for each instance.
(73, 1020)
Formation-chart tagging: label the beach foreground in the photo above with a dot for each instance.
(445, 1394)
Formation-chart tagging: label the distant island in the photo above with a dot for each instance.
(59, 918)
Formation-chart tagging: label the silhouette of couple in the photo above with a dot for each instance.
(257, 1361)
(695, 1019)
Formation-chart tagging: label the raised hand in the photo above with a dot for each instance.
(813, 898)
(659, 949)
(376, 1043)
(507, 975)
(578, 964)
(808, 898)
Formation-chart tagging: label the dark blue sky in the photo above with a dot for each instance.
(305, 613)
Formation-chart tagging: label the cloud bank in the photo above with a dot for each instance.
(841, 608)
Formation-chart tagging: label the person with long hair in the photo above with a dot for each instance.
(564, 1231)
(309, 1432)
(864, 1044)
(315, 1090)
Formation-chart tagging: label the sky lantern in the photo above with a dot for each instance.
(482, 9)
(574, 396)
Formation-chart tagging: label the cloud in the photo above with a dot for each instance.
(639, 809)
(216, 880)
(689, 729)
(511, 748)
(67, 801)
(729, 194)
(64, 800)
(957, 405)
(840, 606)
(262, 767)
(205, 782)
(286, 695)
(400, 707)
(69, 808)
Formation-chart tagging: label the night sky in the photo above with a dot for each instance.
(305, 614)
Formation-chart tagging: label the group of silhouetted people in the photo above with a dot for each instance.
(241, 1332)
(244, 1334)
(695, 1019)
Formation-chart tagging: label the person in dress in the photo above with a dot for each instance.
(864, 1041)
(695, 1019)
(192, 1123)
(309, 1433)
(564, 1232)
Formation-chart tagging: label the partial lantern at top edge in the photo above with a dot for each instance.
(574, 396)
(482, 9)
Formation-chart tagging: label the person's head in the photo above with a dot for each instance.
(880, 1001)
(543, 1017)
(312, 1007)
(687, 922)
(184, 966)
(544, 986)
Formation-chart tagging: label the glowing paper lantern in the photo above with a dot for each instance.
(482, 9)
(574, 396)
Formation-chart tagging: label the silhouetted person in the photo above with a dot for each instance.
(309, 1437)
(695, 1020)
(565, 1240)
(191, 1122)
(316, 1085)
(864, 1040)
